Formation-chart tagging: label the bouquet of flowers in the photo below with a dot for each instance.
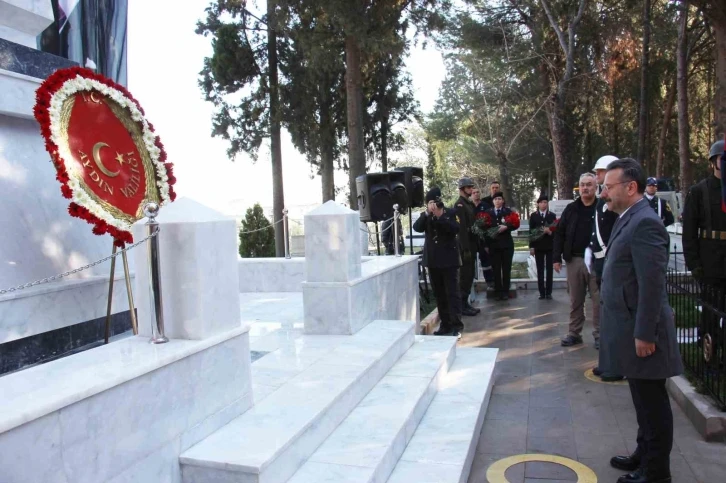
(539, 232)
(512, 220)
(484, 226)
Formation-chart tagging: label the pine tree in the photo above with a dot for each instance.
(256, 237)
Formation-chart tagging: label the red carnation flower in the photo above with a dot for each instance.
(172, 194)
(66, 191)
(101, 228)
(74, 210)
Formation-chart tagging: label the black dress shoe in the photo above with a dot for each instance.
(570, 340)
(611, 378)
(598, 373)
(542, 297)
(444, 331)
(468, 311)
(627, 463)
(640, 477)
(549, 296)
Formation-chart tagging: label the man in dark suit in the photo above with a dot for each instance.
(638, 334)
(659, 205)
(441, 256)
(542, 247)
(501, 247)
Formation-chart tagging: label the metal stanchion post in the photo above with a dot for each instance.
(151, 210)
(396, 250)
(286, 228)
(110, 298)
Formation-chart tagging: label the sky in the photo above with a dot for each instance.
(164, 60)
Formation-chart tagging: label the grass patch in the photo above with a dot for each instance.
(521, 244)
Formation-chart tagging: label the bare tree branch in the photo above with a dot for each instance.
(553, 22)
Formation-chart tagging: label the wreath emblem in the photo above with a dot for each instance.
(108, 159)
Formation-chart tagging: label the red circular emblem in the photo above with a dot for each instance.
(108, 159)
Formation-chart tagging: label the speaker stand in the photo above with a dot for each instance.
(378, 239)
(410, 230)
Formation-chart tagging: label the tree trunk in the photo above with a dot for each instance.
(670, 100)
(278, 197)
(327, 136)
(719, 30)
(616, 121)
(683, 127)
(504, 179)
(564, 172)
(643, 114)
(384, 144)
(354, 104)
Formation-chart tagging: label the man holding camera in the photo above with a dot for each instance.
(441, 256)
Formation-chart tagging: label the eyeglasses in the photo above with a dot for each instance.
(615, 184)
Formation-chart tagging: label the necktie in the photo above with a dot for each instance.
(497, 212)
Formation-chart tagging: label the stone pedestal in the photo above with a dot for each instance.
(341, 294)
(199, 272)
(21, 21)
(332, 244)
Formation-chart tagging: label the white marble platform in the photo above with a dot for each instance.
(120, 412)
(367, 445)
(442, 448)
(272, 440)
(386, 289)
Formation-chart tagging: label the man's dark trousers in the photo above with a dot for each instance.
(445, 282)
(502, 266)
(468, 267)
(655, 425)
(543, 258)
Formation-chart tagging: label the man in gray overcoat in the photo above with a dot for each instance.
(638, 335)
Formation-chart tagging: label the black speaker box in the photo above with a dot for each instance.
(375, 201)
(414, 186)
(398, 190)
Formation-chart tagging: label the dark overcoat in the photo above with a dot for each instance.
(633, 299)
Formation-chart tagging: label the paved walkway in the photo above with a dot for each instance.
(542, 403)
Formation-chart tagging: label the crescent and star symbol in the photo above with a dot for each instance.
(97, 158)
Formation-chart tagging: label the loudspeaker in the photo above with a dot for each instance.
(375, 202)
(414, 186)
(398, 190)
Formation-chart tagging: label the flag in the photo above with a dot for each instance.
(723, 182)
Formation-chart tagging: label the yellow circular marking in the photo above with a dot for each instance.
(589, 375)
(495, 472)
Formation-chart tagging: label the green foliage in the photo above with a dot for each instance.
(260, 243)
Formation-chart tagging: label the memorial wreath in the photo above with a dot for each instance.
(88, 121)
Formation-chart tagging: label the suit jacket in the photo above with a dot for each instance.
(536, 221)
(662, 206)
(633, 299)
(441, 246)
(503, 240)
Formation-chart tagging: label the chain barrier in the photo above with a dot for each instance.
(76, 270)
(263, 228)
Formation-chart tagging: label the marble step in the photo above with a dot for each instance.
(442, 448)
(269, 442)
(367, 445)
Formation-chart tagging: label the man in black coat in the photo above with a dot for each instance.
(541, 248)
(501, 247)
(571, 240)
(481, 206)
(441, 256)
(660, 206)
(468, 244)
(638, 330)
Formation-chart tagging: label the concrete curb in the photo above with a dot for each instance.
(430, 323)
(708, 421)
